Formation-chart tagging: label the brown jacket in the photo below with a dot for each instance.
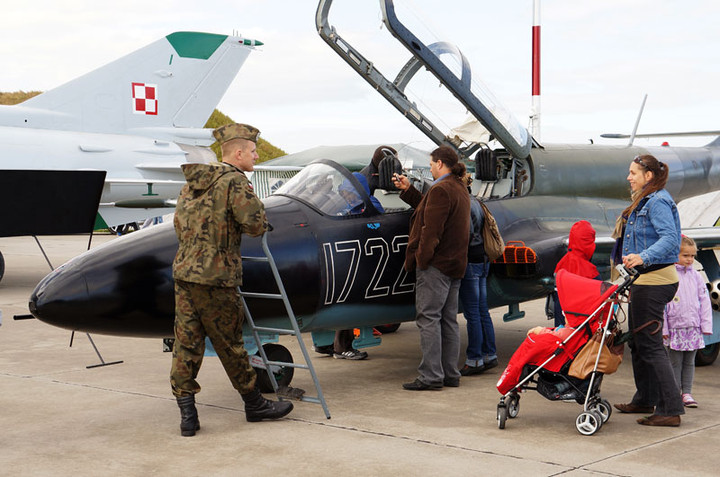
(439, 227)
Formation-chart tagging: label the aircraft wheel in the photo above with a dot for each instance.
(603, 408)
(704, 357)
(2, 266)
(588, 423)
(502, 415)
(385, 329)
(283, 374)
(513, 406)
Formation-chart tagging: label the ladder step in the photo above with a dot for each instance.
(312, 399)
(288, 365)
(280, 331)
(256, 259)
(274, 296)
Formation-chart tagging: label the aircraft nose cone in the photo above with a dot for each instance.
(57, 297)
(122, 288)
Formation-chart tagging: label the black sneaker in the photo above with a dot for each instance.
(352, 354)
(418, 385)
(491, 364)
(472, 370)
(451, 382)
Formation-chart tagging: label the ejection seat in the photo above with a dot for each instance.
(486, 170)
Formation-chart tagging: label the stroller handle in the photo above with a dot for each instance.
(629, 275)
(624, 271)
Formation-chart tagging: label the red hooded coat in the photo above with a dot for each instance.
(581, 246)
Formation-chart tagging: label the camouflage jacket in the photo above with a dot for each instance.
(215, 207)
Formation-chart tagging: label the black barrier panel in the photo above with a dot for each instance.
(49, 202)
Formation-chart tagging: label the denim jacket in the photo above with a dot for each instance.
(653, 230)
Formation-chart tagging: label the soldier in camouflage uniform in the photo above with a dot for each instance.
(214, 209)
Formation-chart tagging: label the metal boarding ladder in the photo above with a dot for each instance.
(295, 331)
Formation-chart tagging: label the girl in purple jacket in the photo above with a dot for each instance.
(687, 318)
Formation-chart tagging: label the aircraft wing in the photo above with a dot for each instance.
(670, 134)
(113, 215)
(143, 181)
(706, 238)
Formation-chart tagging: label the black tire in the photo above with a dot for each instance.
(385, 329)
(513, 406)
(707, 355)
(502, 415)
(283, 375)
(2, 266)
(603, 408)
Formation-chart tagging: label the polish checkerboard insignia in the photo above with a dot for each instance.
(144, 97)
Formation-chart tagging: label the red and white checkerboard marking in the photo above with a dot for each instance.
(144, 98)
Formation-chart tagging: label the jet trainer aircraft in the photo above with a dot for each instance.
(117, 134)
(344, 270)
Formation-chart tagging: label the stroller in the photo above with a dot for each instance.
(542, 361)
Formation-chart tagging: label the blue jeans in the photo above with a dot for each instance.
(473, 297)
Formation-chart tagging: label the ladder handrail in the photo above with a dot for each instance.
(320, 399)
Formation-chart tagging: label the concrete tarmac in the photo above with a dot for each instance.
(61, 418)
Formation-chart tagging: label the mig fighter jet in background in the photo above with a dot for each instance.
(117, 135)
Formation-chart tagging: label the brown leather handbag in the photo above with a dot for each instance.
(611, 355)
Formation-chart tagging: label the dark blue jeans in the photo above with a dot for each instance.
(654, 377)
(480, 330)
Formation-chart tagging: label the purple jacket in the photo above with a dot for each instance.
(691, 305)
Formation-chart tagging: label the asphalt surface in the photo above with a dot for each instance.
(60, 418)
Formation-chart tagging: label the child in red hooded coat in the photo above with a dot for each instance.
(581, 247)
(540, 341)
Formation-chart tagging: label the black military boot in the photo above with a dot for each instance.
(189, 422)
(258, 408)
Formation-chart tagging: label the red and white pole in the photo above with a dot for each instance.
(535, 111)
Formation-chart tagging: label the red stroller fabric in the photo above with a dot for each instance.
(580, 297)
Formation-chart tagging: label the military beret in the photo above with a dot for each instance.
(229, 132)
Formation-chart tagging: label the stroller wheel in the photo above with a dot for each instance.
(502, 415)
(513, 406)
(588, 422)
(603, 408)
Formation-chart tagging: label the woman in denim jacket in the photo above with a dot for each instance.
(648, 238)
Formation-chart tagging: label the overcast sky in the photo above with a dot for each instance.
(598, 60)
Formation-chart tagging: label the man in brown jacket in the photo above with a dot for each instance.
(437, 251)
(215, 208)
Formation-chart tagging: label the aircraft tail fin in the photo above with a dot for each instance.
(175, 82)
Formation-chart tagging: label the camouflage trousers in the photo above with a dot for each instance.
(215, 312)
